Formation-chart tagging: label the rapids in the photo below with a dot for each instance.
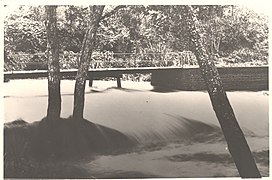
(177, 131)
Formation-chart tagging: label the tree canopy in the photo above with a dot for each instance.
(151, 34)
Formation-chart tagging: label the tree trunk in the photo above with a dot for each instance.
(88, 45)
(54, 97)
(234, 136)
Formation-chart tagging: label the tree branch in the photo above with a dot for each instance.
(108, 14)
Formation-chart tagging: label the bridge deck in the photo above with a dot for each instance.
(109, 72)
(186, 78)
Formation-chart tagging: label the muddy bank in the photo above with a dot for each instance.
(26, 145)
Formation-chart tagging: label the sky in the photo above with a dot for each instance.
(260, 8)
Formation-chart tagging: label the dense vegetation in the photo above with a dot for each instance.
(137, 36)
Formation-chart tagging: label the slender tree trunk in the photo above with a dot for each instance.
(234, 136)
(54, 97)
(88, 45)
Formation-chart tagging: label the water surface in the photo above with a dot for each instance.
(178, 131)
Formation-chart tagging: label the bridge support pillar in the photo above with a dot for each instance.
(90, 81)
(119, 81)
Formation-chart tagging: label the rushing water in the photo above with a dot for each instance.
(178, 132)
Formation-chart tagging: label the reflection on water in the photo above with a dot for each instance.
(178, 132)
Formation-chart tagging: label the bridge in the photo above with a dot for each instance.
(92, 73)
(181, 78)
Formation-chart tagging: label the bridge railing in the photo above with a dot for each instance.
(115, 60)
(69, 60)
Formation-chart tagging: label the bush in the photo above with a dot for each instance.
(69, 60)
(247, 55)
(16, 61)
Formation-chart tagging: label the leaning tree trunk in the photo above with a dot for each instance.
(84, 62)
(54, 97)
(234, 136)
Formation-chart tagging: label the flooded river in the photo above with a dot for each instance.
(177, 131)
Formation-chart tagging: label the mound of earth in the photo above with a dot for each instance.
(62, 139)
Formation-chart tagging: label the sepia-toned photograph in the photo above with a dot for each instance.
(135, 91)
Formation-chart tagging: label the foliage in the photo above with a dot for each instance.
(16, 61)
(142, 35)
(244, 29)
(72, 27)
(68, 60)
(24, 32)
(248, 56)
